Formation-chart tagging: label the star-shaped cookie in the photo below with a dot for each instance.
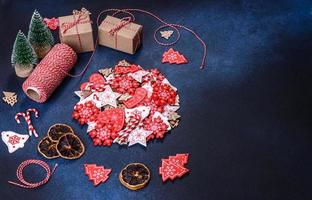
(138, 136)
(108, 97)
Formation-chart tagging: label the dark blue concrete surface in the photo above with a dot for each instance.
(246, 118)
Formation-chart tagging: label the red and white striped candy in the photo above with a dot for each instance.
(31, 129)
(132, 124)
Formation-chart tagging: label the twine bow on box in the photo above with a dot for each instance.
(80, 17)
(117, 27)
(124, 21)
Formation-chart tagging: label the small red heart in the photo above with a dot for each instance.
(139, 95)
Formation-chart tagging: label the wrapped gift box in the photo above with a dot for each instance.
(76, 31)
(116, 34)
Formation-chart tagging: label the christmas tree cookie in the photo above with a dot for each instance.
(39, 35)
(23, 56)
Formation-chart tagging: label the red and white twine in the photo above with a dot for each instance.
(25, 184)
(27, 117)
(50, 72)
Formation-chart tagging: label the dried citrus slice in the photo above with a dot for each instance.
(58, 130)
(69, 146)
(134, 176)
(47, 148)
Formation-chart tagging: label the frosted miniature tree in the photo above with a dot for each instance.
(23, 56)
(39, 35)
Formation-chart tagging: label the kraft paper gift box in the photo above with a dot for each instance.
(126, 38)
(76, 31)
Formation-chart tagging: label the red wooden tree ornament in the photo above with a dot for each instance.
(97, 174)
(173, 167)
(173, 57)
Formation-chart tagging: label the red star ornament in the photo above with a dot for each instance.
(171, 171)
(97, 174)
(173, 57)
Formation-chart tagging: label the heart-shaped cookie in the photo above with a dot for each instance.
(139, 95)
(95, 80)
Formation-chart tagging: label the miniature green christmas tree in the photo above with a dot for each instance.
(39, 35)
(23, 56)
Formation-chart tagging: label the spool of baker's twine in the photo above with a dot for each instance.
(49, 73)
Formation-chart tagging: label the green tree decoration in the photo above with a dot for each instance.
(23, 56)
(39, 35)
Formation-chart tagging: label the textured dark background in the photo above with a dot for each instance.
(246, 117)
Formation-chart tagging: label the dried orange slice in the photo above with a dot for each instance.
(58, 130)
(47, 148)
(134, 176)
(69, 146)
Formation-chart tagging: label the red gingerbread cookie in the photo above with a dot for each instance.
(137, 98)
(173, 57)
(173, 167)
(97, 174)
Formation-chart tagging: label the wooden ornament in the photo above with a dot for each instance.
(9, 98)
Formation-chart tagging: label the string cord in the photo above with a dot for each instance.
(174, 26)
(164, 24)
(25, 184)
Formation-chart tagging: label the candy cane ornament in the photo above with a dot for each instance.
(17, 117)
(27, 117)
(132, 124)
(32, 110)
(30, 126)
